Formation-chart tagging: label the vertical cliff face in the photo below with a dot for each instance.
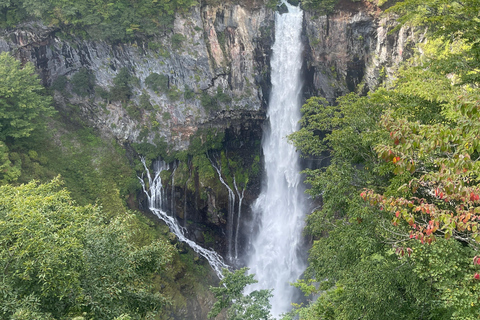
(213, 65)
(353, 49)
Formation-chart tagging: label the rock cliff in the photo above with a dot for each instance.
(214, 65)
(353, 49)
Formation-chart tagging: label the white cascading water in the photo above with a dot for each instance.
(156, 201)
(239, 215)
(280, 208)
(231, 211)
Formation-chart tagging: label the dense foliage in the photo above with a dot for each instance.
(23, 108)
(22, 99)
(61, 260)
(230, 297)
(397, 236)
(109, 20)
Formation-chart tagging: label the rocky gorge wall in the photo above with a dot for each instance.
(354, 49)
(222, 49)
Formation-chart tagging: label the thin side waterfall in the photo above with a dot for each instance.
(280, 208)
(239, 215)
(231, 211)
(172, 200)
(154, 191)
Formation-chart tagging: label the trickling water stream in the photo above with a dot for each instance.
(280, 209)
(157, 201)
(231, 211)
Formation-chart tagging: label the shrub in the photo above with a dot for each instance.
(157, 82)
(83, 82)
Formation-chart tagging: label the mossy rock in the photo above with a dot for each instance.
(294, 2)
(282, 8)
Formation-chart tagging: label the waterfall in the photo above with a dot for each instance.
(231, 210)
(239, 215)
(156, 201)
(172, 200)
(279, 210)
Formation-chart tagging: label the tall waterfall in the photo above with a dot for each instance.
(157, 203)
(279, 210)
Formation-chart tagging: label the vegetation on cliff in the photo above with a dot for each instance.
(110, 20)
(62, 260)
(397, 236)
(49, 236)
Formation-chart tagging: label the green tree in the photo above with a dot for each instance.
(23, 101)
(60, 260)
(229, 295)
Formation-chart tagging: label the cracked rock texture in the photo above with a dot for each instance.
(224, 48)
(353, 49)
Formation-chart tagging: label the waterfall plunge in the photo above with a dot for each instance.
(279, 210)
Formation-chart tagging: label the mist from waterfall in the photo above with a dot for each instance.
(280, 209)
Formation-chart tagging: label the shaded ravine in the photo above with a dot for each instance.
(279, 211)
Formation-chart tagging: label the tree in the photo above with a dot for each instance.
(23, 102)
(61, 260)
(414, 148)
(229, 295)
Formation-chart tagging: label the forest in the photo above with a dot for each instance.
(397, 235)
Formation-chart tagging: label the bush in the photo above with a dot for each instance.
(122, 89)
(145, 101)
(177, 40)
(83, 82)
(59, 83)
(157, 82)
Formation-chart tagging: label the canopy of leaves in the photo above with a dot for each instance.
(23, 101)
(229, 295)
(414, 147)
(110, 20)
(60, 260)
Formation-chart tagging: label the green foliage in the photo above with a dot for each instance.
(157, 82)
(414, 146)
(114, 21)
(10, 166)
(94, 170)
(145, 103)
(456, 24)
(60, 83)
(177, 41)
(322, 7)
(83, 82)
(213, 103)
(254, 306)
(57, 260)
(204, 140)
(173, 93)
(273, 4)
(122, 85)
(188, 93)
(23, 103)
(166, 116)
